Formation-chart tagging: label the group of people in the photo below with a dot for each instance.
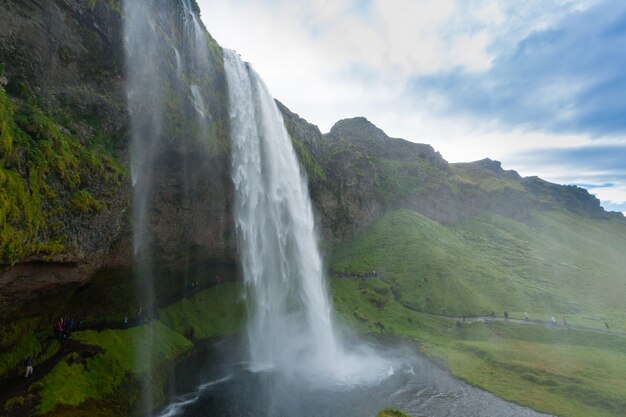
(62, 331)
(492, 315)
(64, 327)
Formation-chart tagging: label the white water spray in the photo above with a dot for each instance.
(198, 101)
(193, 26)
(289, 326)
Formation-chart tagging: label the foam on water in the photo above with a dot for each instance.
(178, 407)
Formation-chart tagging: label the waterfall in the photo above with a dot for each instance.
(290, 314)
(170, 74)
(289, 325)
(165, 45)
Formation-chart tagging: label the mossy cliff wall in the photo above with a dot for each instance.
(65, 199)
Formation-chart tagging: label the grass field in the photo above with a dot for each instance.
(556, 264)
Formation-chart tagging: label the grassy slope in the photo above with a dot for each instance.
(217, 311)
(556, 264)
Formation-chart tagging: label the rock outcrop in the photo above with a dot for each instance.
(64, 63)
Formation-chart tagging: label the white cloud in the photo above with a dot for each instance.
(614, 195)
(470, 51)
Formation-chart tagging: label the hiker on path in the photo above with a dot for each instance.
(526, 316)
(28, 363)
(506, 315)
(553, 320)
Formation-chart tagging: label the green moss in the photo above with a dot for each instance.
(313, 169)
(84, 202)
(44, 170)
(15, 402)
(215, 312)
(19, 339)
(391, 412)
(114, 5)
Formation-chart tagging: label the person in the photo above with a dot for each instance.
(29, 366)
(125, 321)
(553, 320)
(606, 323)
(58, 331)
(493, 314)
(526, 316)
(443, 311)
(506, 315)
(140, 315)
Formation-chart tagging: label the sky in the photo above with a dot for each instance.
(539, 85)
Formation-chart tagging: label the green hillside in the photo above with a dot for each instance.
(395, 275)
(556, 264)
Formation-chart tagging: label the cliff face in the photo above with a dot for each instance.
(66, 202)
(62, 153)
(65, 206)
(366, 173)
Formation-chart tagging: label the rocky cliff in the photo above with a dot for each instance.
(365, 173)
(65, 186)
(65, 209)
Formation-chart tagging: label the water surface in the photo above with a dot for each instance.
(225, 386)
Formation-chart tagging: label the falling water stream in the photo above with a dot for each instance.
(289, 321)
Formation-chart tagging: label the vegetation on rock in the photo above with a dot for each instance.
(391, 412)
(43, 166)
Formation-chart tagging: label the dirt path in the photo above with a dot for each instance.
(488, 319)
(18, 386)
